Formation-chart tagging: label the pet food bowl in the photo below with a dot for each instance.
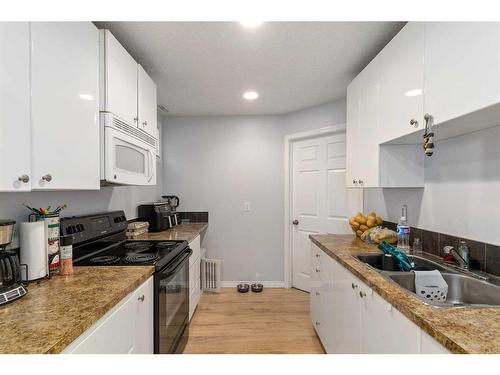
(257, 288)
(243, 288)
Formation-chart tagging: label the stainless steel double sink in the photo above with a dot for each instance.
(464, 290)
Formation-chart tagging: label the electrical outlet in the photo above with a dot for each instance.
(247, 207)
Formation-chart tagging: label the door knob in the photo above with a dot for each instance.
(47, 178)
(141, 298)
(362, 294)
(353, 286)
(295, 222)
(24, 178)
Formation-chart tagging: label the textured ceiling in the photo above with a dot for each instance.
(202, 68)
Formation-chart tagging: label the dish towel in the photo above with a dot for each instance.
(404, 263)
(431, 285)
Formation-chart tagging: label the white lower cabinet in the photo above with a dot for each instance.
(431, 346)
(126, 328)
(384, 329)
(194, 275)
(352, 319)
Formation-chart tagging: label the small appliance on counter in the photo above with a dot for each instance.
(159, 215)
(173, 201)
(11, 284)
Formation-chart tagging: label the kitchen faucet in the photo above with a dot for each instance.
(461, 255)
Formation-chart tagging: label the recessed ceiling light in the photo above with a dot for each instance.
(251, 95)
(251, 24)
(414, 92)
(86, 96)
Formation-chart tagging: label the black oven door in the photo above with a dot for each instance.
(172, 305)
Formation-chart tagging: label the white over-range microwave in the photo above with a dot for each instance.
(128, 155)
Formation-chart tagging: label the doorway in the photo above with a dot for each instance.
(318, 200)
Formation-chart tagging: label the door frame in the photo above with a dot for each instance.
(288, 156)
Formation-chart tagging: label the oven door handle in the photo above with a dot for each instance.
(175, 267)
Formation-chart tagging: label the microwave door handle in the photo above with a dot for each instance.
(151, 164)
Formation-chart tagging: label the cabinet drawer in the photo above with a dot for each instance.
(195, 246)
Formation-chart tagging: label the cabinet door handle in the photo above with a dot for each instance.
(24, 178)
(353, 286)
(141, 298)
(354, 182)
(317, 270)
(136, 119)
(414, 123)
(317, 255)
(295, 222)
(362, 294)
(361, 182)
(317, 293)
(317, 323)
(47, 177)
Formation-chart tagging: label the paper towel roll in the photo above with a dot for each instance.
(33, 249)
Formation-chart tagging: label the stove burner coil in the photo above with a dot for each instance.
(137, 246)
(140, 258)
(165, 244)
(105, 259)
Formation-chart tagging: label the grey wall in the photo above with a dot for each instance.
(216, 164)
(461, 195)
(81, 202)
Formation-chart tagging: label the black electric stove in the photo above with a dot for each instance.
(99, 240)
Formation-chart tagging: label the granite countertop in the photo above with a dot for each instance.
(182, 232)
(459, 329)
(55, 312)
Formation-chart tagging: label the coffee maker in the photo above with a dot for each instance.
(11, 284)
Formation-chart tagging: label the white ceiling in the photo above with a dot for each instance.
(203, 68)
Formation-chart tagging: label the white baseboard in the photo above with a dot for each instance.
(267, 284)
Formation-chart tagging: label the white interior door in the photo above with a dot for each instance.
(321, 203)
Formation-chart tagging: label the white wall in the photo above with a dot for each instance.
(462, 190)
(216, 164)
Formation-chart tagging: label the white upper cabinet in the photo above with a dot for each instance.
(402, 83)
(127, 90)
(15, 148)
(147, 103)
(462, 73)
(368, 153)
(64, 105)
(119, 79)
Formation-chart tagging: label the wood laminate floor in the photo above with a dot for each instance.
(274, 321)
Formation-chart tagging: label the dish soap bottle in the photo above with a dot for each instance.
(403, 230)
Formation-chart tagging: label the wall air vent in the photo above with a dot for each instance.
(163, 109)
(117, 123)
